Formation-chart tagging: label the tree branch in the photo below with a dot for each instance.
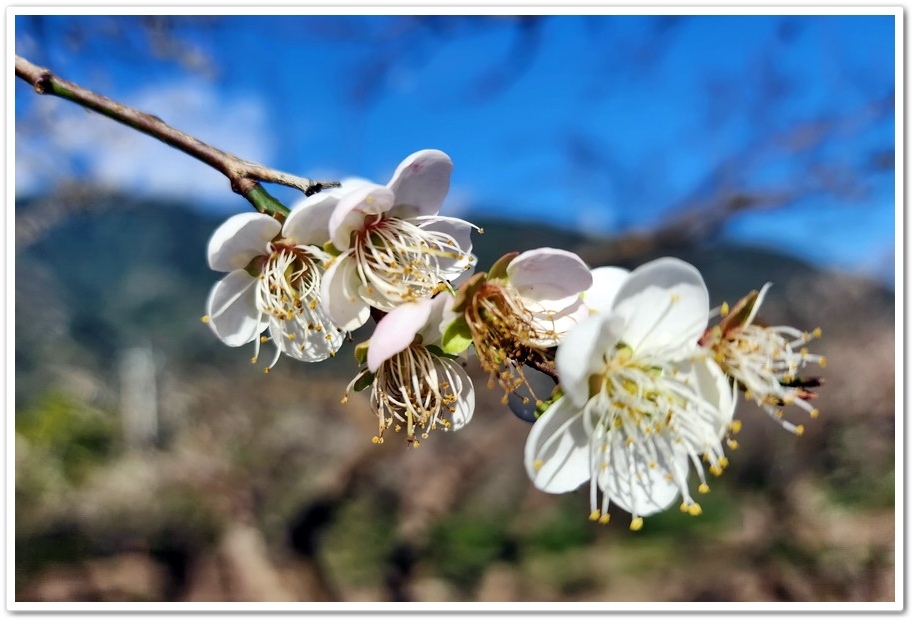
(244, 176)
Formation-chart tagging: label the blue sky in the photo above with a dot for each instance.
(600, 124)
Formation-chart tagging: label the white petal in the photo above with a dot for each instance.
(440, 315)
(351, 211)
(240, 239)
(305, 345)
(232, 310)
(396, 331)
(420, 183)
(715, 387)
(581, 354)
(633, 485)
(606, 281)
(308, 220)
(757, 303)
(559, 323)
(451, 269)
(666, 307)
(549, 274)
(557, 449)
(339, 298)
(464, 390)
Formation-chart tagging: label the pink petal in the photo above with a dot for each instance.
(240, 239)
(549, 274)
(420, 183)
(396, 331)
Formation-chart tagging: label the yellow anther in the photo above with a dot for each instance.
(538, 464)
(605, 519)
(683, 508)
(376, 439)
(416, 443)
(815, 413)
(732, 444)
(694, 509)
(264, 339)
(344, 400)
(254, 360)
(724, 309)
(715, 470)
(595, 515)
(735, 426)
(723, 461)
(266, 370)
(704, 488)
(205, 319)
(817, 332)
(636, 524)
(823, 362)
(799, 430)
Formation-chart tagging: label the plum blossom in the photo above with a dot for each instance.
(394, 248)
(273, 281)
(640, 404)
(414, 384)
(765, 361)
(521, 309)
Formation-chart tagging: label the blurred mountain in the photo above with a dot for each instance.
(222, 483)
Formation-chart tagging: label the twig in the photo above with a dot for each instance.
(244, 176)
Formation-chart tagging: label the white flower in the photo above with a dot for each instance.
(522, 308)
(274, 281)
(765, 361)
(394, 247)
(413, 383)
(640, 405)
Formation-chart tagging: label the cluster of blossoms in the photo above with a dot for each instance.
(644, 391)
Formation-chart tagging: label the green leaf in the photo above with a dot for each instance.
(457, 337)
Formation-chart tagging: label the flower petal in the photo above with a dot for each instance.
(233, 314)
(581, 354)
(549, 274)
(310, 217)
(637, 485)
(460, 231)
(351, 211)
(558, 324)
(339, 288)
(420, 183)
(557, 449)
(606, 282)
(463, 388)
(396, 331)
(714, 386)
(240, 239)
(441, 315)
(303, 344)
(666, 307)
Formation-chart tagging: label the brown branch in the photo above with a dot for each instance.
(243, 175)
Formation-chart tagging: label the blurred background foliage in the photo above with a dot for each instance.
(155, 464)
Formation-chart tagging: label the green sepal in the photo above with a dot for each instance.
(330, 249)
(457, 337)
(500, 266)
(438, 352)
(360, 351)
(543, 405)
(363, 381)
(467, 290)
